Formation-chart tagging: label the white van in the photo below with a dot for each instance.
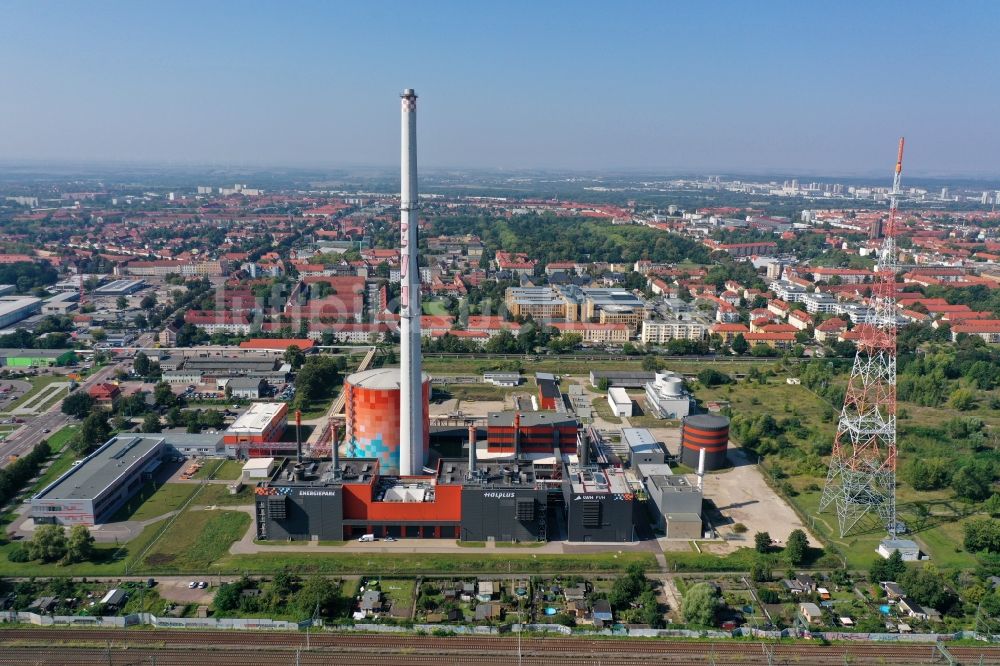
(366, 537)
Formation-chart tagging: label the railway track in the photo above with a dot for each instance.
(142, 646)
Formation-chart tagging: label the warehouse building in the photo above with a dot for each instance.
(29, 358)
(16, 308)
(61, 303)
(549, 395)
(92, 491)
(620, 402)
(120, 288)
(257, 432)
(643, 448)
(624, 379)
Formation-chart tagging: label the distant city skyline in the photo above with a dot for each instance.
(779, 88)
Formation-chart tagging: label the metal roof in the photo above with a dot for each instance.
(117, 457)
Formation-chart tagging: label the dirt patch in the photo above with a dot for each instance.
(743, 497)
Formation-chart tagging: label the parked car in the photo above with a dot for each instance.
(192, 585)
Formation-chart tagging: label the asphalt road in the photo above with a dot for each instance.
(32, 432)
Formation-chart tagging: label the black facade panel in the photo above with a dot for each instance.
(505, 514)
(308, 513)
(600, 517)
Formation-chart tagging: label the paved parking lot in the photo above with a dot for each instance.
(742, 496)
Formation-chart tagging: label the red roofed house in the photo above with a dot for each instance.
(987, 329)
(728, 331)
(778, 307)
(277, 344)
(831, 328)
(773, 340)
(800, 320)
(596, 333)
(104, 394)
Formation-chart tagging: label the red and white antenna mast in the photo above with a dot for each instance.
(862, 474)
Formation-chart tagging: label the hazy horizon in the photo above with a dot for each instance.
(780, 88)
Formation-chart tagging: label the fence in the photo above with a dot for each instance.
(251, 624)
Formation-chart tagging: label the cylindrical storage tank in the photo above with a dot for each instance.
(705, 431)
(371, 408)
(673, 385)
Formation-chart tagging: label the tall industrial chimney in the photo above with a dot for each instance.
(411, 426)
(298, 436)
(701, 470)
(472, 449)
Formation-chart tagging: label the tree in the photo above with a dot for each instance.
(80, 545)
(317, 591)
(973, 480)
(889, 569)
(151, 422)
(650, 363)
(95, 429)
(148, 301)
(227, 597)
(760, 571)
(982, 534)
(962, 399)
(700, 605)
(797, 547)
(992, 505)
(926, 586)
(710, 377)
(740, 344)
(762, 542)
(48, 544)
(294, 357)
(121, 303)
(212, 418)
(77, 404)
(141, 364)
(163, 395)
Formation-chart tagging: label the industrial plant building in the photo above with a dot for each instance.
(667, 398)
(257, 432)
(372, 406)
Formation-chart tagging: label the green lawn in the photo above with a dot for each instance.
(61, 437)
(62, 463)
(109, 559)
(473, 392)
(399, 592)
(603, 410)
(153, 500)
(412, 563)
(435, 308)
(196, 540)
(218, 494)
(37, 384)
(227, 470)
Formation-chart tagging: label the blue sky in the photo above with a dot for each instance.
(706, 86)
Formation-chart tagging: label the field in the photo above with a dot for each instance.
(415, 563)
(197, 540)
(473, 392)
(153, 500)
(37, 385)
(435, 308)
(226, 470)
(940, 534)
(218, 494)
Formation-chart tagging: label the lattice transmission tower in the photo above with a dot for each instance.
(862, 474)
